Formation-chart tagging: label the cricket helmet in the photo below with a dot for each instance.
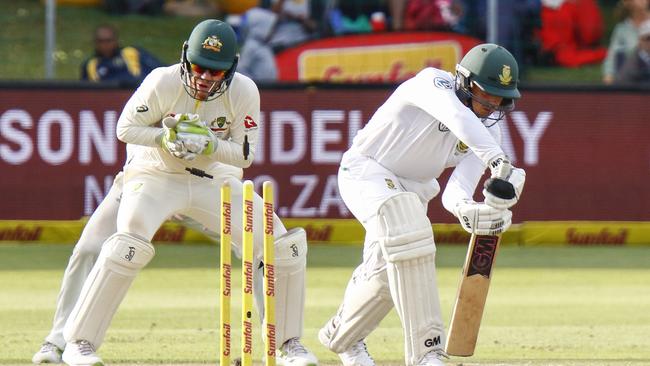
(212, 45)
(494, 70)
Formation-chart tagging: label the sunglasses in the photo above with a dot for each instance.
(200, 70)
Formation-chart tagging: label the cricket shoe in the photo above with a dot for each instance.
(49, 353)
(433, 358)
(292, 353)
(81, 353)
(357, 355)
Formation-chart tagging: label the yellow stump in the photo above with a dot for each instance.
(269, 275)
(247, 275)
(225, 289)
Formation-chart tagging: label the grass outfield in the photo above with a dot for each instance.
(547, 306)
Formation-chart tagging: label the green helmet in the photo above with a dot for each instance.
(212, 45)
(494, 70)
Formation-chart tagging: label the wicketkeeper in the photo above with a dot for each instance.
(198, 121)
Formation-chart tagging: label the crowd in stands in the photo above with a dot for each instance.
(565, 33)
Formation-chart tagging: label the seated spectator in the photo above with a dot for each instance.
(114, 63)
(357, 16)
(636, 68)
(631, 13)
(571, 32)
(256, 57)
(293, 25)
(516, 22)
(441, 15)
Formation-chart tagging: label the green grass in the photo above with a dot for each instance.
(22, 40)
(547, 306)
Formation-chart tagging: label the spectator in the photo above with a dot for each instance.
(256, 60)
(356, 16)
(636, 68)
(441, 15)
(625, 35)
(516, 20)
(114, 63)
(571, 32)
(293, 25)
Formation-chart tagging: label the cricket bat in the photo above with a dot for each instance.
(472, 293)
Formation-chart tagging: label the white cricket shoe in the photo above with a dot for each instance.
(433, 358)
(357, 355)
(81, 353)
(292, 353)
(49, 353)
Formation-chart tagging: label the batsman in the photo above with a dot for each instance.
(431, 122)
(196, 127)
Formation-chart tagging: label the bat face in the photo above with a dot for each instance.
(472, 294)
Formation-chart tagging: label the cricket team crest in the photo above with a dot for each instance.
(213, 43)
(505, 78)
(389, 183)
(461, 148)
(219, 124)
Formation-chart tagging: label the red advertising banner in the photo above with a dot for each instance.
(587, 154)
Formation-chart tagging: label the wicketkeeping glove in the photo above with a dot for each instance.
(170, 141)
(479, 218)
(196, 137)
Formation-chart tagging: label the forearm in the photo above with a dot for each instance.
(232, 153)
(139, 135)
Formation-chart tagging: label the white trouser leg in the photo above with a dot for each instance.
(99, 227)
(366, 302)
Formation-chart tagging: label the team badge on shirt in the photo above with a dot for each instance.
(389, 183)
(442, 83)
(141, 108)
(461, 148)
(219, 124)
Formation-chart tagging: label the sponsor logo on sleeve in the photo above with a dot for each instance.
(249, 123)
(442, 83)
(141, 108)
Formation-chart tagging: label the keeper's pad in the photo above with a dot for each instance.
(365, 304)
(121, 258)
(406, 239)
(290, 264)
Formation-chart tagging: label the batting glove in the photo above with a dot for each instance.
(481, 219)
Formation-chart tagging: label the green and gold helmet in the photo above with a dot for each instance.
(494, 70)
(212, 46)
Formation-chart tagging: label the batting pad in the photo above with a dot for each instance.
(290, 264)
(365, 303)
(406, 238)
(121, 258)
